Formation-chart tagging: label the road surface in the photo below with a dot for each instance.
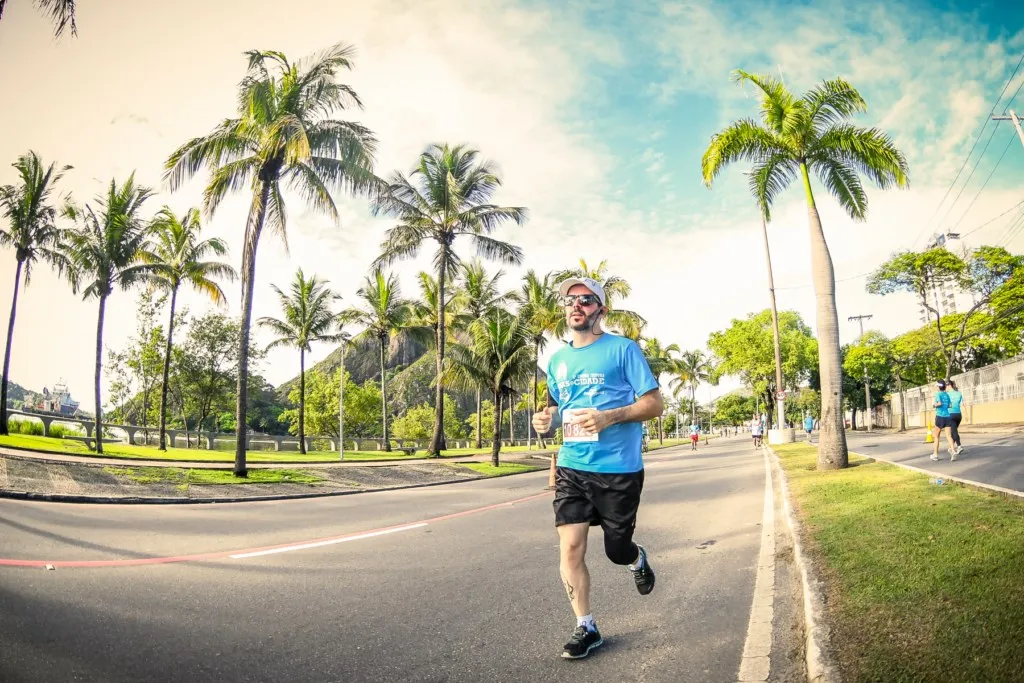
(447, 583)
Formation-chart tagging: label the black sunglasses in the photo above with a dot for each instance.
(584, 299)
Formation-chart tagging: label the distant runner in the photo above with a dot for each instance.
(694, 436)
(942, 421)
(808, 427)
(955, 400)
(755, 430)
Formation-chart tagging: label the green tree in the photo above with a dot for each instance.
(384, 315)
(734, 409)
(143, 356)
(178, 257)
(282, 136)
(418, 422)
(499, 355)
(746, 350)
(104, 251)
(543, 315)
(32, 232)
(921, 273)
(690, 369)
(204, 371)
(629, 323)
(871, 357)
(797, 136)
(362, 406)
(308, 319)
(661, 361)
(447, 195)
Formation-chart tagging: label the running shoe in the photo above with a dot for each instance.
(934, 456)
(644, 576)
(959, 449)
(581, 643)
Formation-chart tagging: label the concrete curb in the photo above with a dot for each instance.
(970, 483)
(817, 658)
(117, 500)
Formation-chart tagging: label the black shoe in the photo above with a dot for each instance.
(581, 643)
(644, 576)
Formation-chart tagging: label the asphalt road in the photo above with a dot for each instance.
(996, 459)
(448, 591)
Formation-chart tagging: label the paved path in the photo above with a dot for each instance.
(996, 459)
(461, 586)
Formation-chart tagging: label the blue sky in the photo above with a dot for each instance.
(596, 112)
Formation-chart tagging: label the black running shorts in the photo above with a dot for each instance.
(610, 500)
(942, 422)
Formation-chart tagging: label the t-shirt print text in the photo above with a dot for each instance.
(584, 379)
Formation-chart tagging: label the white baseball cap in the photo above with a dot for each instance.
(591, 284)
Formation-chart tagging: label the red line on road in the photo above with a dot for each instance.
(225, 553)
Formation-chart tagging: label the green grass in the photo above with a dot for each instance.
(489, 470)
(184, 477)
(926, 582)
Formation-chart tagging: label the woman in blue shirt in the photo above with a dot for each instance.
(942, 421)
(955, 400)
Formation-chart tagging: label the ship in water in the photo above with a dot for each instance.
(58, 401)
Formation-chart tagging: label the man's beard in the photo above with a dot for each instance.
(586, 324)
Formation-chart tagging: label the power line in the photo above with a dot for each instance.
(995, 129)
(845, 279)
(993, 220)
(1009, 142)
(968, 157)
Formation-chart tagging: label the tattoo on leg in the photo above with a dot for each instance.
(570, 591)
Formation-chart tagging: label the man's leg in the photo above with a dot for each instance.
(572, 550)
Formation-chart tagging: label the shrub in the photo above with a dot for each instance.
(59, 431)
(26, 427)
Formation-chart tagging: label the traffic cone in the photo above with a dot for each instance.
(929, 437)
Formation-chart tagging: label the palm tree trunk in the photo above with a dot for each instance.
(533, 397)
(832, 451)
(7, 353)
(167, 370)
(496, 443)
(302, 401)
(903, 410)
(693, 404)
(384, 399)
(479, 420)
(775, 317)
(99, 373)
(511, 421)
(252, 239)
(434, 449)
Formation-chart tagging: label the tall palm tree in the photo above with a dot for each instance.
(797, 136)
(629, 323)
(384, 314)
(497, 357)
(542, 313)
(659, 358)
(283, 136)
(445, 196)
(62, 14)
(308, 318)
(177, 256)
(477, 296)
(105, 251)
(690, 370)
(33, 234)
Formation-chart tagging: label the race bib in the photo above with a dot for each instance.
(572, 433)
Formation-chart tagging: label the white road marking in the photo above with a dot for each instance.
(332, 541)
(756, 663)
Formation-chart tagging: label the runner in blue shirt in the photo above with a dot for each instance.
(603, 390)
(956, 399)
(809, 426)
(942, 421)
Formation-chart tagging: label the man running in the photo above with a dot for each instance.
(755, 430)
(604, 390)
(942, 421)
(956, 399)
(694, 436)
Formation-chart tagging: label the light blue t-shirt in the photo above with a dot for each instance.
(808, 423)
(955, 399)
(942, 398)
(610, 373)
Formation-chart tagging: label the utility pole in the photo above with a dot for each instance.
(867, 382)
(1016, 123)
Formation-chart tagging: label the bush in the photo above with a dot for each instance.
(26, 427)
(59, 431)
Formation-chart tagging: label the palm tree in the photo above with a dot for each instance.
(282, 136)
(796, 136)
(105, 252)
(383, 315)
(445, 196)
(690, 370)
(33, 234)
(477, 296)
(629, 323)
(307, 319)
(177, 257)
(498, 357)
(62, 13)
(660, 359)
(542, 313)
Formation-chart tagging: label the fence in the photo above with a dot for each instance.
(992, 394)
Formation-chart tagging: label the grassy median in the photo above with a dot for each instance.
(183, 477)
(925, 582)
(489, 470)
